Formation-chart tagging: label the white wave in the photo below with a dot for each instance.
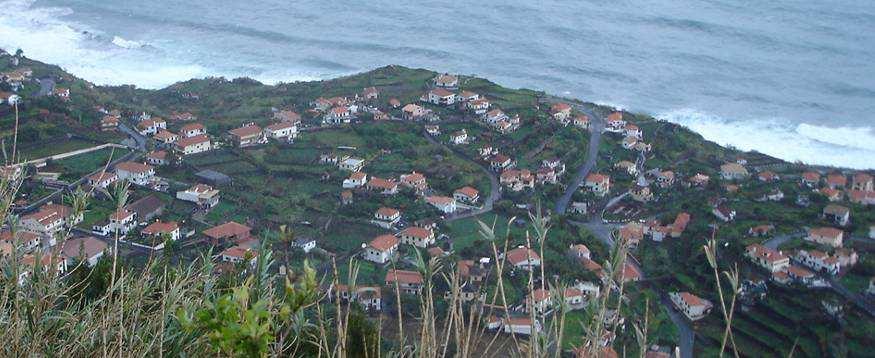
(843, 147)
(857, 137)
(125, 43)
(613, 105)
(43, 34)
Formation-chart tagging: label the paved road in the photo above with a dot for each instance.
(779, 240)
(494, 186)
(138, 138)
(860, 301)
(686, 336)
(70, 154)
(685, 331)
(46, 86)
(597, 125)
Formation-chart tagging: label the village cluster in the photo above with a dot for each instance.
(139, 223)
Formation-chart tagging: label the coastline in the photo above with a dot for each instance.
(711, 128)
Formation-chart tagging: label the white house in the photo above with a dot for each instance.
(600, 184)
(409, 282)
(192, 130)
(120, 222)
(282, 131)
(440, 96)
(201, 194)
(769, 259)
(381, 249)
(459, 137)
(826, 236)
(356, 180)
(102, 179)
(387, 217)
(337, 115)
(87, 249)
(522, 258)
(352, 164)
(238, 254)
(306, 244)
(162, 229)
(818, 261)
(467, 195)
(193, 145)
(137, 173)
(445, 204)
(692, 306)
(520, 325)
(417, 236)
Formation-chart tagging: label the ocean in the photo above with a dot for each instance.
(792, 79)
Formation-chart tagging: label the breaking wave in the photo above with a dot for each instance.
(808, 143)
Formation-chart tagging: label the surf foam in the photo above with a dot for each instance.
(807, 143)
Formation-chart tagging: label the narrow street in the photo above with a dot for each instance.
(596, 127)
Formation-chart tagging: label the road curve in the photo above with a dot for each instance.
(494, 186)
(597, 125)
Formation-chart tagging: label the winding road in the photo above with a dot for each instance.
(603, 231)
(596, 127)
(494, 186)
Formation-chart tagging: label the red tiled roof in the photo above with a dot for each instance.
(384, 242)
(825, 232)
(280, 126)
(693, 300)
(837, 179)
(381, 183)
(240, 252)
(227, 229)
(468, 191)
(539, 295)
(439, 200)
(185, 142)
(246, 131)
(121, 215)
(88, 246)
(521, 254)
(766, 253)
(158, 155)
(99, 177)
(560, 107)
(417, 232)
(387, 212)
(158, 228)
(811, 176)
(440, 92)
(799, 271)
(403, 276)
(597, 178)
(133, 167)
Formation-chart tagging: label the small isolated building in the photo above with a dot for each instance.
(692, 306)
